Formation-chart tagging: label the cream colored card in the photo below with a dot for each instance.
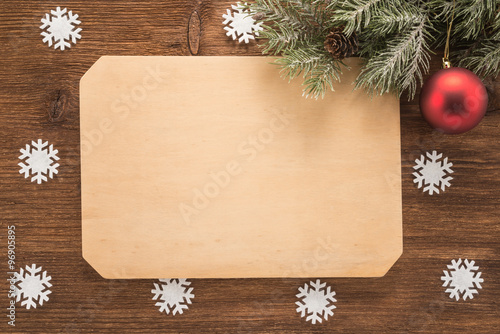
(216, 167)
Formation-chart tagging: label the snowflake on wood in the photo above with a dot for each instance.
(431, 172)
(174, 295)
(40, 161)
(315, 301)
(32, 286)
(462, 279)
(241, 23)
(60, 28)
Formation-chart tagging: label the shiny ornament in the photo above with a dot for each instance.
(453, 100)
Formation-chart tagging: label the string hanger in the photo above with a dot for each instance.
(446, 60)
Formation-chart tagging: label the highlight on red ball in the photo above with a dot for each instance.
(453, 100)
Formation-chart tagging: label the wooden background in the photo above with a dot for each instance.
(39, 99)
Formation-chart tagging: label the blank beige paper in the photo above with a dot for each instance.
(214, 167)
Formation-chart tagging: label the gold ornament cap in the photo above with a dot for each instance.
(446, 63)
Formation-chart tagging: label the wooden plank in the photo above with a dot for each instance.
(220, 162)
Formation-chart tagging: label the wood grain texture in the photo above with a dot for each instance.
(460, 223)
(194, 32)
(221, 163)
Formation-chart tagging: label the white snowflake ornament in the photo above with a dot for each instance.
(240, 23)
(32, 286)
(39, 160)
(60, 27)
(462, 279)
(315, 301)
(174, 295)
(432, 173)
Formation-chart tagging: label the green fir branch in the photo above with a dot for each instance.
(495, 26)
(295, 30)
(281, 38)
(471, 16)
(321, 79)
(390, 21)
(483, 56)
(315, 65)
(394, 36)
(399, 66)
(355, 14)
(297, 14)
(484, 60)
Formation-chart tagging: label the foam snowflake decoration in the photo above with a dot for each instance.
(174, 295)
(32, 286)
(60, 28)
(241, 24)
(316, 301)
(39, 161)
(432, 173)
(462, 279)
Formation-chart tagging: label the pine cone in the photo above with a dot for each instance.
(339, 45)
(259, 16)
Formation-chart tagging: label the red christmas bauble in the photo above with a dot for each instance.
(453, 100)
